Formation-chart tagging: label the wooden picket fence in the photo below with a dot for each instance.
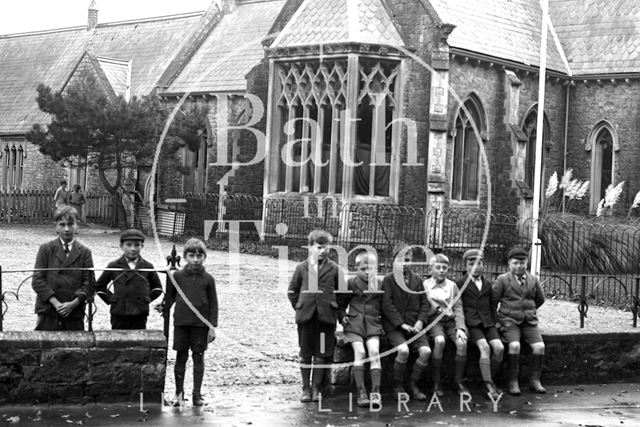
(36, 207)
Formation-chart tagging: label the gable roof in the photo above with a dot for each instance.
(506, 29)
(319, 22)
(49, 57)
(232, 49)
(599, 36)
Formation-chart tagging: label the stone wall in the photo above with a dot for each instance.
(81, 367)
(570, 359)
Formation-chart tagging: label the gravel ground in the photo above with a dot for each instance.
(257, 343)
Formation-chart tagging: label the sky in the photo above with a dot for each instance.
(18, 16)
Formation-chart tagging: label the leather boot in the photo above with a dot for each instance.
(514, 370)
(398, 378)
(536, 370)
(363, 397)
(414, 380)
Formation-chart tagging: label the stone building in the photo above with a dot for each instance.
(423, 103)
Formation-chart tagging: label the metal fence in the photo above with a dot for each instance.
(581, 259)
(91, 308)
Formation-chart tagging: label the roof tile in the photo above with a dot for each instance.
(329, 21)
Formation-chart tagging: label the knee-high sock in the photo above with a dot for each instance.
(179, 369)
(485, 369)
(461, 361)
(198, 371)
(358, 376)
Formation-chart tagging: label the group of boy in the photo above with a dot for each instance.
(64, 280)
(414, 315)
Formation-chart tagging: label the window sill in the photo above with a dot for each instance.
(380, 200)
(465, 204)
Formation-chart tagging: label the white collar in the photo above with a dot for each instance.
(65, 243)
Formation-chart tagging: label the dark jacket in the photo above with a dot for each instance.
(65, 285)
(517, 303)
(306, 302)
(400, 306)
(365, 308)
(479, 306)
(132, 290)
(199, 288)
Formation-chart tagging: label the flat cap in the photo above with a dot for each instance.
(517, 253)
(131, 234)
(472, 254)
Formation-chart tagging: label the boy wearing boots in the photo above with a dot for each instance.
(480, 318)
(444, 292)
(312, 295)
(362, 322)
(519, 295)
(406, 307)
(190, 331)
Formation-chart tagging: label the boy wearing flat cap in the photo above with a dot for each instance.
(133, 289)
(519, 295)
(480, 318)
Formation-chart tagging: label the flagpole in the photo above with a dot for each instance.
(535, 248)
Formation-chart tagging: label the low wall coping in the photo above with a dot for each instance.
(82, 339)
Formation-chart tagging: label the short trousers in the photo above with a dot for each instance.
(445, 327)
(512, 332)
(316, 339)
(477, 333)
(353, 337)
(194, 337)
(397, 337)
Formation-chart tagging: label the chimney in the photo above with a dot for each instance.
(92, 20)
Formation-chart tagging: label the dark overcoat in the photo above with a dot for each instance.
(305, 301)
(400, 306)
(132, 290)
(65, 285)
(364, 308)
(479, 305)
(518, 303)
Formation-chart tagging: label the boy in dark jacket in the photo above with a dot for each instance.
(195, 317)
(61, 294)
(406, 307)
(520, 294)
(363, 323)
(312, 295)
(132, 290)
(480, 317)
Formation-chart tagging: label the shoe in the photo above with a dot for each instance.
(197, 399)
(398, 389)
(305, 397)
(536, 387)
(490, 389)
(416, 394)
(437, 389)
(178, 400)
(461, 388)
(315, 395)
(363, 398)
